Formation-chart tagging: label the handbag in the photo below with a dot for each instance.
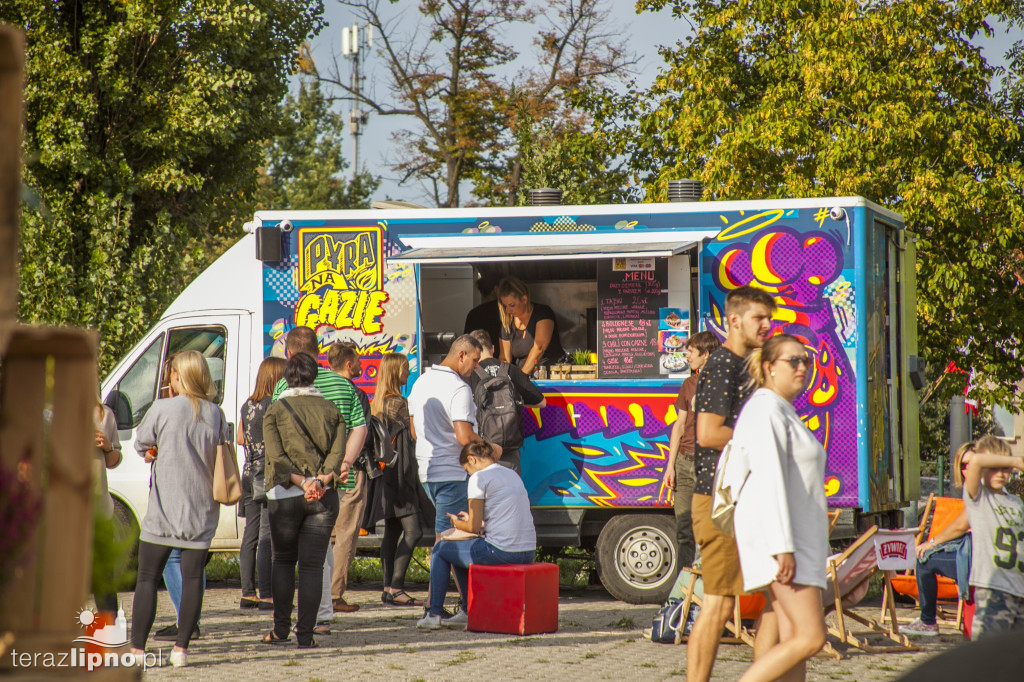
(730, 477)
(227, 481)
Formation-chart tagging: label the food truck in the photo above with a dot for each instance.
(628, 284)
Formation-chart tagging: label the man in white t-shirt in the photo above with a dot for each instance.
(443, 421)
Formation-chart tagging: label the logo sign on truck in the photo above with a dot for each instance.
(341, 279)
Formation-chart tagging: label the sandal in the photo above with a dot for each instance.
(408, 601)
(387, 598)
(271, 638)
(311, 645)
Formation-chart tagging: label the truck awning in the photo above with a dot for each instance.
(530, 246)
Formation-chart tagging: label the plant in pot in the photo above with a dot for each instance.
(582, 366)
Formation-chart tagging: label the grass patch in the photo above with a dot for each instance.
(590, 654)
(290, 662)
(410, 650)
(624, 623)
(392, 666)
(630, 640)
(571, 624)
(462, 657)
(648, 665)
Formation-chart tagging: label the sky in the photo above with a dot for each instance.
(644, 32)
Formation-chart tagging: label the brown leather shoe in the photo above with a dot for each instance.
(342, 606)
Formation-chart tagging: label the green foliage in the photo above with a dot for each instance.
(886, 99)
(146, 121)
(305, 162)
(565, 153)
(112, 568)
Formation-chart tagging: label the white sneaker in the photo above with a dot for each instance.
(459, 620)
(178, 659)
(429, 622)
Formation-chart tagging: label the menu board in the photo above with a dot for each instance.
(630, 294)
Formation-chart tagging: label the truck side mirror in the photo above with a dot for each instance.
(119, 403)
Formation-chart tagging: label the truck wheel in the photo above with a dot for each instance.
(636, 557)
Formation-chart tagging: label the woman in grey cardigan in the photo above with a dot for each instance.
(180, 436)
(304, 438)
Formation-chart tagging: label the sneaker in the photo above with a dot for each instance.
(429, 622)
(459, 620)
(179, 659)
(920, 629)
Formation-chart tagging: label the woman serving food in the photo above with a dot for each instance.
(528, 330)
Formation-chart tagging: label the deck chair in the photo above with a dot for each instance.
(939, 512)
(847, 579)
(747, 607)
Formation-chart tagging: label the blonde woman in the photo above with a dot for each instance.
(184, 431)
(528, 330)
(402, 498)
(780, 520)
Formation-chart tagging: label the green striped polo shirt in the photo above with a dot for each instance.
(339, 391)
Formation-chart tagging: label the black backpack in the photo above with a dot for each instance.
(499, 407)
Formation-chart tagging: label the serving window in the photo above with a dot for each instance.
(630, 305)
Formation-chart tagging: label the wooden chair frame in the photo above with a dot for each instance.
(926, 523)
(898, 642)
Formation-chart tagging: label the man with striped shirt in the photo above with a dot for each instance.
(342, 393)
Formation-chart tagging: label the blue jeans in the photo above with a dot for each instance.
(448, 497)
(457, 555)
(936, 563)
(172, 578)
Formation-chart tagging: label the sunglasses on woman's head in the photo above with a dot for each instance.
(796, 361)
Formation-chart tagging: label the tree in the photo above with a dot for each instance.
(447, 76)
(305, 163)
(889, 99)
(145, 124)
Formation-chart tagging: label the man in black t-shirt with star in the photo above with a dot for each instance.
(722, 388)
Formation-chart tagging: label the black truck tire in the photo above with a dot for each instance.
(636, 557)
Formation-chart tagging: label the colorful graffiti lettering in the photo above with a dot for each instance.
(341, 277)
(800, 269)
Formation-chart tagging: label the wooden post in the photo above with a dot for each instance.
(12, 45)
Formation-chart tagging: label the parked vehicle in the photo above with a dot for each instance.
(627, 282)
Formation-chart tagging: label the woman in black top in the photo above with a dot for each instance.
(529, 333)
(400, 501)
(254, 559)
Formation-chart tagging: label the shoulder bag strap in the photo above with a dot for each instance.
(305, 431)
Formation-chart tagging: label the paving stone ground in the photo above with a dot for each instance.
(599, 638)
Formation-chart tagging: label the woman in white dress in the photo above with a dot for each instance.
(780, 519)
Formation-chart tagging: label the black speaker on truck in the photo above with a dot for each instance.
(268, 244)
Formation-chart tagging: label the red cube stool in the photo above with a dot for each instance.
(515, 599)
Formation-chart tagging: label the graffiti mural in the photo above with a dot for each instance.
(803, 268)
(606, 447)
